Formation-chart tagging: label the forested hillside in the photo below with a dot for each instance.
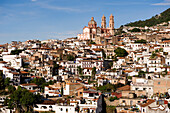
(157, 19)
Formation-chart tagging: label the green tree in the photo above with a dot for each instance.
(141, 73)
(106, 88)
(15, 99)
(111, 109)
(104, 54)
(114, 69)
(161, 50)
(110, 64)
(70, 57)
(38, 81)
(80, 70)
(7, 82)
(141, 41)
(92, 42)
(165, 53)
(55, 68)
(1, 80)
(109, 87)
(114, 58)
(135, 30)
(9, 103)
(156, 51)
(11, 89)
(108, 57)
(113, 98)
(42, 83)
(120, 52)
(93, 72)
(153, 55)
(61, 90)
(16, 52)
(22, 100)
(27, 99)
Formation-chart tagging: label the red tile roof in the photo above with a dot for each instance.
(124, 88)
(147, 103)
(30, 84)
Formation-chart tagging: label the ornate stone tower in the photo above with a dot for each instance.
(103, 23)
(111, 24)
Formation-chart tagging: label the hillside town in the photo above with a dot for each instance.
(102, 70)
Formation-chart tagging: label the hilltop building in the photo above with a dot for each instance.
(100, 35)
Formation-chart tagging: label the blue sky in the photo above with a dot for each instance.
(21, 20)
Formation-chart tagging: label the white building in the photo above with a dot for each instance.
(15, 61)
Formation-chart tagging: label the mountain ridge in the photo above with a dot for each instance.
(154, 20)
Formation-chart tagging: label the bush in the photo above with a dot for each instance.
(11, 89)
(129, 77)
(109, 87)
(153, 55)
(111, 109)
(70, 58)
(120, 52)
(135, 30)
(16, 52)
(141, 41)
(113, 98)
(92, 42)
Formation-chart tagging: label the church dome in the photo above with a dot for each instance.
(92, 23)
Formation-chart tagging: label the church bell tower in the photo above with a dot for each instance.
(111, 24)
(103, 23)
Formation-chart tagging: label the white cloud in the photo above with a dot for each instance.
(161, 4)
(165, 3)
(33, 0)
(47, 5)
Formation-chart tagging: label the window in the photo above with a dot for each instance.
(44, 107)
(61, 109)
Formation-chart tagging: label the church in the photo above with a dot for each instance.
(97, 34)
